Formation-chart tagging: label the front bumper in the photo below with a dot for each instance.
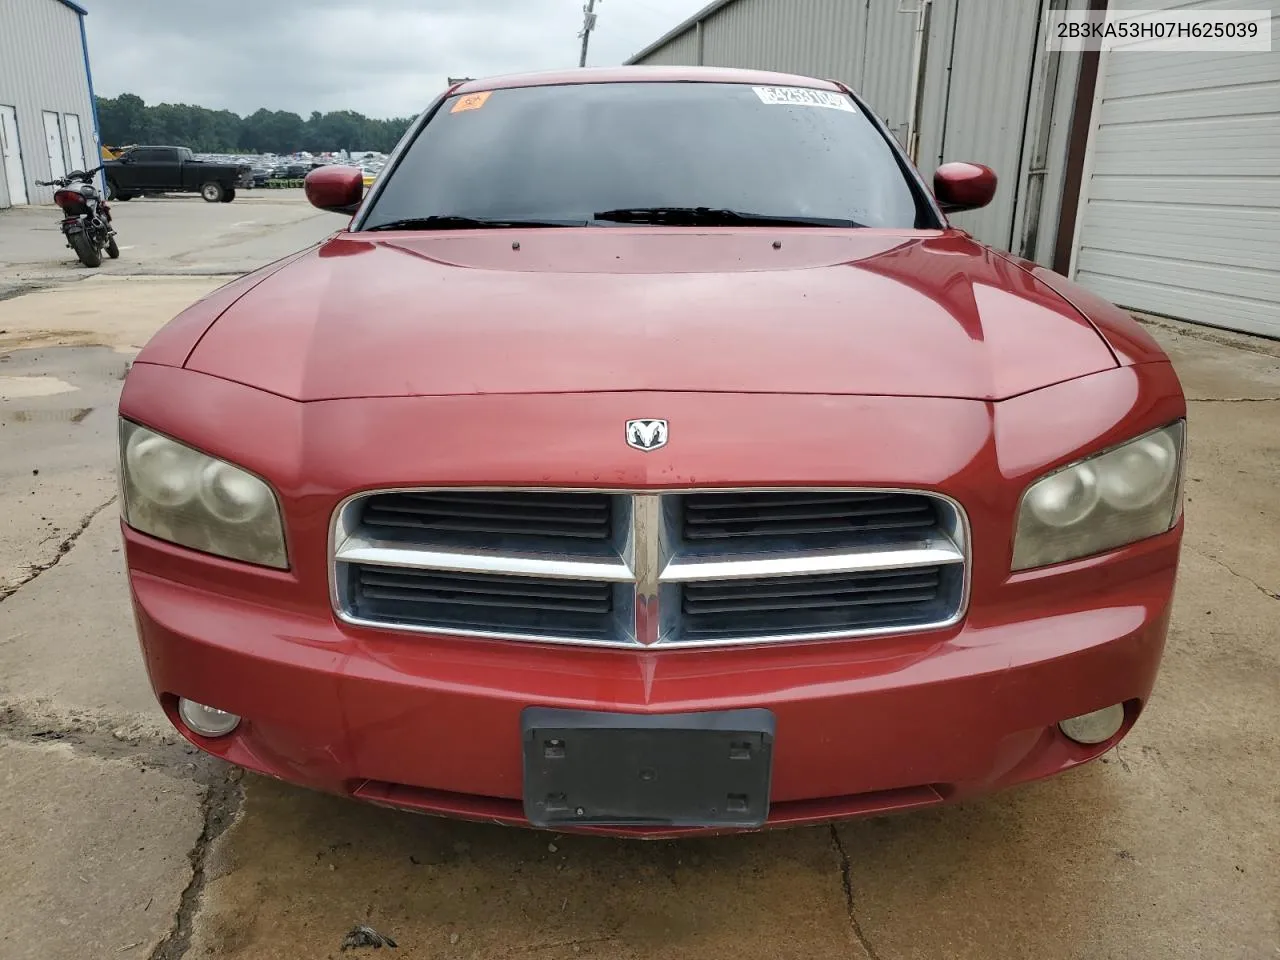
(864, 726)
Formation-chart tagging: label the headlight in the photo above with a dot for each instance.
(184, 496)
(1128, 493)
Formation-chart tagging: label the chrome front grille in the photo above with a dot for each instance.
(665, 569)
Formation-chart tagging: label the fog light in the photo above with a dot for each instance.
(206, 721)
(1096, 727)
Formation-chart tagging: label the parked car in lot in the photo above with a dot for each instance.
(142, 170)
(299, 169)
(648, 454)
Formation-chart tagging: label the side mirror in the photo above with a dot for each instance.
(334, 188)
(963, 186)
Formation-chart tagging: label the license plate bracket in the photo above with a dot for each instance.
(708, 769)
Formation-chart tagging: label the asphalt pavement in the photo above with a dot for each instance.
(118, 840)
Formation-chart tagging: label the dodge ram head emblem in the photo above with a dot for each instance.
(647, 434)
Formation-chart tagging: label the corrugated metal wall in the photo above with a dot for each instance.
(681, 51)
(42, 68)
(975, 105)
(982, 65)
(864, 44)
(885, 80)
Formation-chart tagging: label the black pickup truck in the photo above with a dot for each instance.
(142, 170)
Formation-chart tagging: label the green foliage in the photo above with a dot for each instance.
(127, 119)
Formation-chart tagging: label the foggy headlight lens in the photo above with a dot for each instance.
(1126, 494)
(1064, 498)
(186, 497)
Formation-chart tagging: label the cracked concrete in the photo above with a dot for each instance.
(64, 546)
(128, 758)
(846, 881)
(1226, 566)
(299, 869)
(67, 637)
(219, 807)
(1164, 849)
(110, 881)
(58, 448)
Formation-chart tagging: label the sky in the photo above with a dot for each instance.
(382, 58)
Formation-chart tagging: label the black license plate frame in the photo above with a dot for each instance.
(590, 768)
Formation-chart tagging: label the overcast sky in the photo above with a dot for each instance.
(383, 58)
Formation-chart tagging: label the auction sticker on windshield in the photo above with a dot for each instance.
(804, 97)
(472, 101)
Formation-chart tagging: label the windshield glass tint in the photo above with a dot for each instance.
(566, 153)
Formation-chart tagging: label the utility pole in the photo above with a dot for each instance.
(588, 24)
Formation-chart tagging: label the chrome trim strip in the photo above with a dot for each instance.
(930, 553)
(356, 549)
(957, 528)
(645, 554)
(633, 646)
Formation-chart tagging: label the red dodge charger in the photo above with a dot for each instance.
(647, 455)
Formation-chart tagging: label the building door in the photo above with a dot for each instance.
(11, 153)
(53, 143)
(1179, 208)
(75, 148)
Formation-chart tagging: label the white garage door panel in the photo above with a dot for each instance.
(1212, 239)
(1216, 191)
(1254, 138)
(1180, 208)
(1234, 313)
(1184, 104)
(1230, 163)
(1155, 74)
(1253, 283)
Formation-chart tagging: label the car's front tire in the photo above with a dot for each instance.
(229, 195)
(212, 192)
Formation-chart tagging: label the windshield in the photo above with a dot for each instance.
(696, 153)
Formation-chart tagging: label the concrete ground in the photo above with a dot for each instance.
(117, 840)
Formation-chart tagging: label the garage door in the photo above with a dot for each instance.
(1180, 205)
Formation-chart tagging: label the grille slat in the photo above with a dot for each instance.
(538, 518)
(482, 603)
(834, 601)
(788, 594)
(709, 517)
(781, 605)
(468, 583)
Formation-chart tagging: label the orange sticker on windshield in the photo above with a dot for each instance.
(472, 101)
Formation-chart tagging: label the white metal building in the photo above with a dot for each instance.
(1152, 178)
(48, 124)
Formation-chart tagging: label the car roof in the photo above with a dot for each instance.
(642, 74)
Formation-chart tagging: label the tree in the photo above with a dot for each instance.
(127, 119)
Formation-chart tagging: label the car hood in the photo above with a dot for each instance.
(622, 309)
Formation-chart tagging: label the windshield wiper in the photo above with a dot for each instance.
(452, 222)
(713, 217)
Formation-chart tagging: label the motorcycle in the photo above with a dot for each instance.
(87, 218)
